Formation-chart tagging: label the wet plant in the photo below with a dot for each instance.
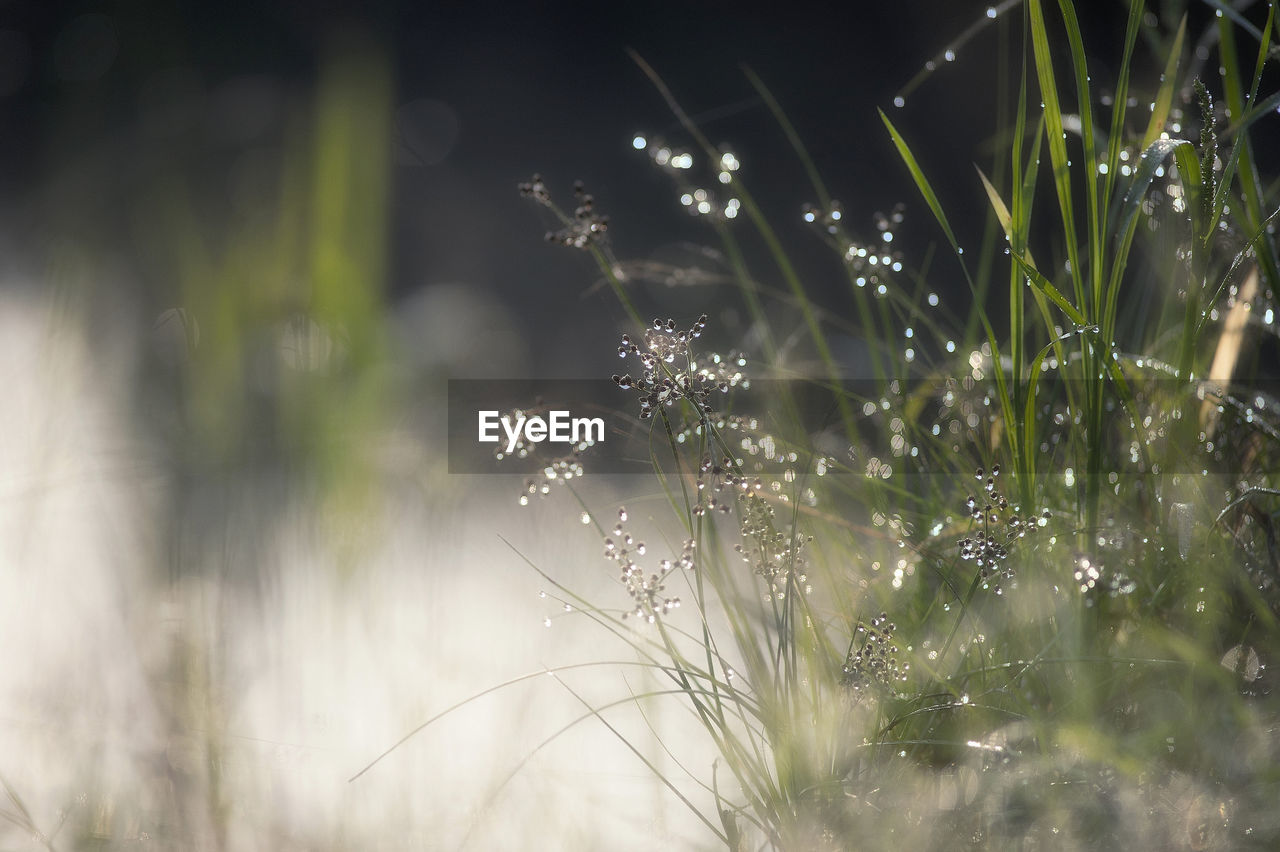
(873, 647)
(663, 382)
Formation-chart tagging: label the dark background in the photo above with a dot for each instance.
(96, 98)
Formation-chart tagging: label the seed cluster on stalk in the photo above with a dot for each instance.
(669, 371)
(771, 553)
(647, 590)
(717, 483)
(874, 663)
(585, 227)
(1001, 525)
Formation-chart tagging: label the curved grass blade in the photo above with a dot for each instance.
(1054, 295)
(1084, 105)
(825, 200)
(1247, 168)
(1266, 108)
(1240, 257)
(1115, 140)
(1057, 142)
(770, 237)
(931, 198)
(495, 688)
(1164, 95)
(648, 763)
(1226, 11)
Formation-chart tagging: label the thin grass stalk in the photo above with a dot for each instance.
(780, 258)
(1246, 169)
(863, 306)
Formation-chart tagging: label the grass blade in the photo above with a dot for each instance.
(1164, 95)
(1057, 143)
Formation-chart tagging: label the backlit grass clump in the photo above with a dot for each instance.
(1018, 589)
